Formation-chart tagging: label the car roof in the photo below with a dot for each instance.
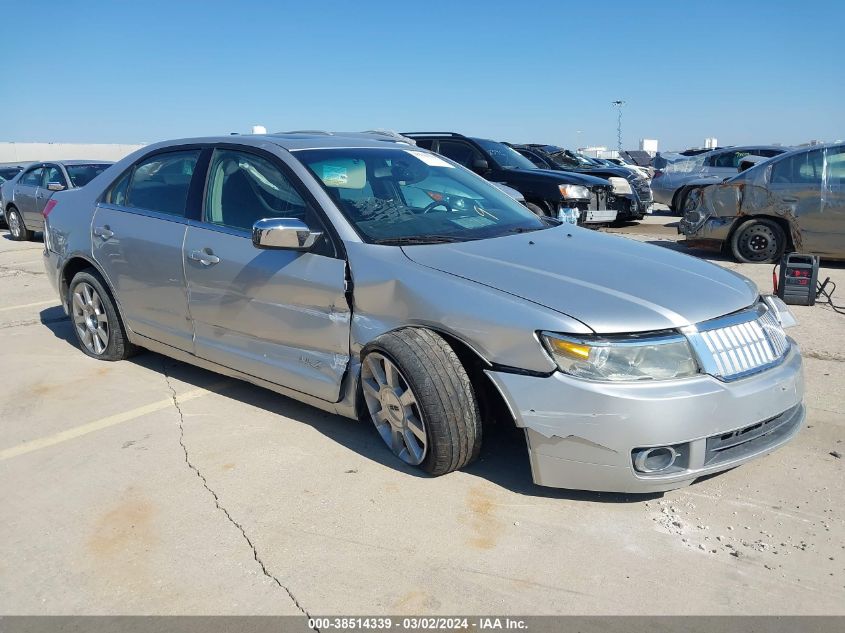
(744, 148)
(293, 141)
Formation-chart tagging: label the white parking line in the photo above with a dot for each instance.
(52, 302)
(104, 423)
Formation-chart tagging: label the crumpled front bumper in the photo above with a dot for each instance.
(581, 434)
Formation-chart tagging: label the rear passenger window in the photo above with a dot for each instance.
(805, 168)
(161, 182)
(244, 188)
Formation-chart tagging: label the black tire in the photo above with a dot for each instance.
(675, 208)
(758, 241)
(536, 209)
(444, 395)
(687, 201)
(15, 219)
(117, 346)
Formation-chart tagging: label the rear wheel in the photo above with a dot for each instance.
(758, 241)
(421, 401)
(96, 323)
(17, 228)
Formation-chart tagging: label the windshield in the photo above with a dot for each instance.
(393, 195)
(81, 175)
(506, 157)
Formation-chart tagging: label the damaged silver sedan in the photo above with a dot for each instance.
(794, 202)
(380, 281)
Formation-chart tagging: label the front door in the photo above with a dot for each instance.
(278, 315)
(138, 232)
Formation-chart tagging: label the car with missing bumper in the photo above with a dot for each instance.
(676, 178)
(576, 198)
(794, 202)
(389, 284)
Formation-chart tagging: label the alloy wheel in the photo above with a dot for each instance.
(14, 224)
(90, 318)
(394, 408)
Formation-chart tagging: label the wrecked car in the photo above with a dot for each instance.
(680, 173)
(385, 283)
(794, 202)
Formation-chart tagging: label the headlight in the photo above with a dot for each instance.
(628, 358)
(574, 191)
(620, 186)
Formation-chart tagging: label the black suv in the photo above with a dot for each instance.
(546, 191)
(631, 198)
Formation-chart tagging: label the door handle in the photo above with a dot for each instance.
(103, 232)
(204, 258)
(789, 199)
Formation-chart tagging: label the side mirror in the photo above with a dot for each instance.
(283, 233)
(55, 186)
(479, 166)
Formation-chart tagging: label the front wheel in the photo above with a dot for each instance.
(758, 241)
(421, 400)
(17, 228)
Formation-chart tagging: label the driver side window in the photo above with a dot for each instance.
(244, 188)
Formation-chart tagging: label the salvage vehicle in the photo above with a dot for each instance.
(794, 202)
(673, 181)
(24, 197)
(631, 195)
(386, 283)
(565, 195)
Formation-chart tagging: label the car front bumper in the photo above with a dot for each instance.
(581, 434)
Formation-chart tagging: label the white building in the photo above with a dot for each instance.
(711, 142)
(648, 145)
(30, 152)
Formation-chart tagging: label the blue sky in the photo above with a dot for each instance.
(521, 71)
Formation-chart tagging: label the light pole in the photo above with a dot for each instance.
(618, 105)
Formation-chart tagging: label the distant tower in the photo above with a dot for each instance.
(618, 105)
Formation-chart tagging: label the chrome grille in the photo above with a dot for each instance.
(740, 344)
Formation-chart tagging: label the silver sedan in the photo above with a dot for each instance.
(380, 281)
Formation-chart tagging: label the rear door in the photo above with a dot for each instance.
(795, 183)
(26, 190)
(278, 315)
(138, 231)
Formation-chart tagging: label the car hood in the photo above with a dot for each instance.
(564, 177)
(611, 284)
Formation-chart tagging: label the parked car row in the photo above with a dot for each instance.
(387, 282)
(24, 196)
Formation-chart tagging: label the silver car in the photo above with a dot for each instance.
(671, 184)
(24, 197)
(387, 283)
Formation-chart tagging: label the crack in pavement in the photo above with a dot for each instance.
(217, 503)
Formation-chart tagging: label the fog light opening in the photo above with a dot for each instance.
(654, 460)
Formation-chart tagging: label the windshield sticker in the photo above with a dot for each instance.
(429, 159)
(335, 176)
(472, 222)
